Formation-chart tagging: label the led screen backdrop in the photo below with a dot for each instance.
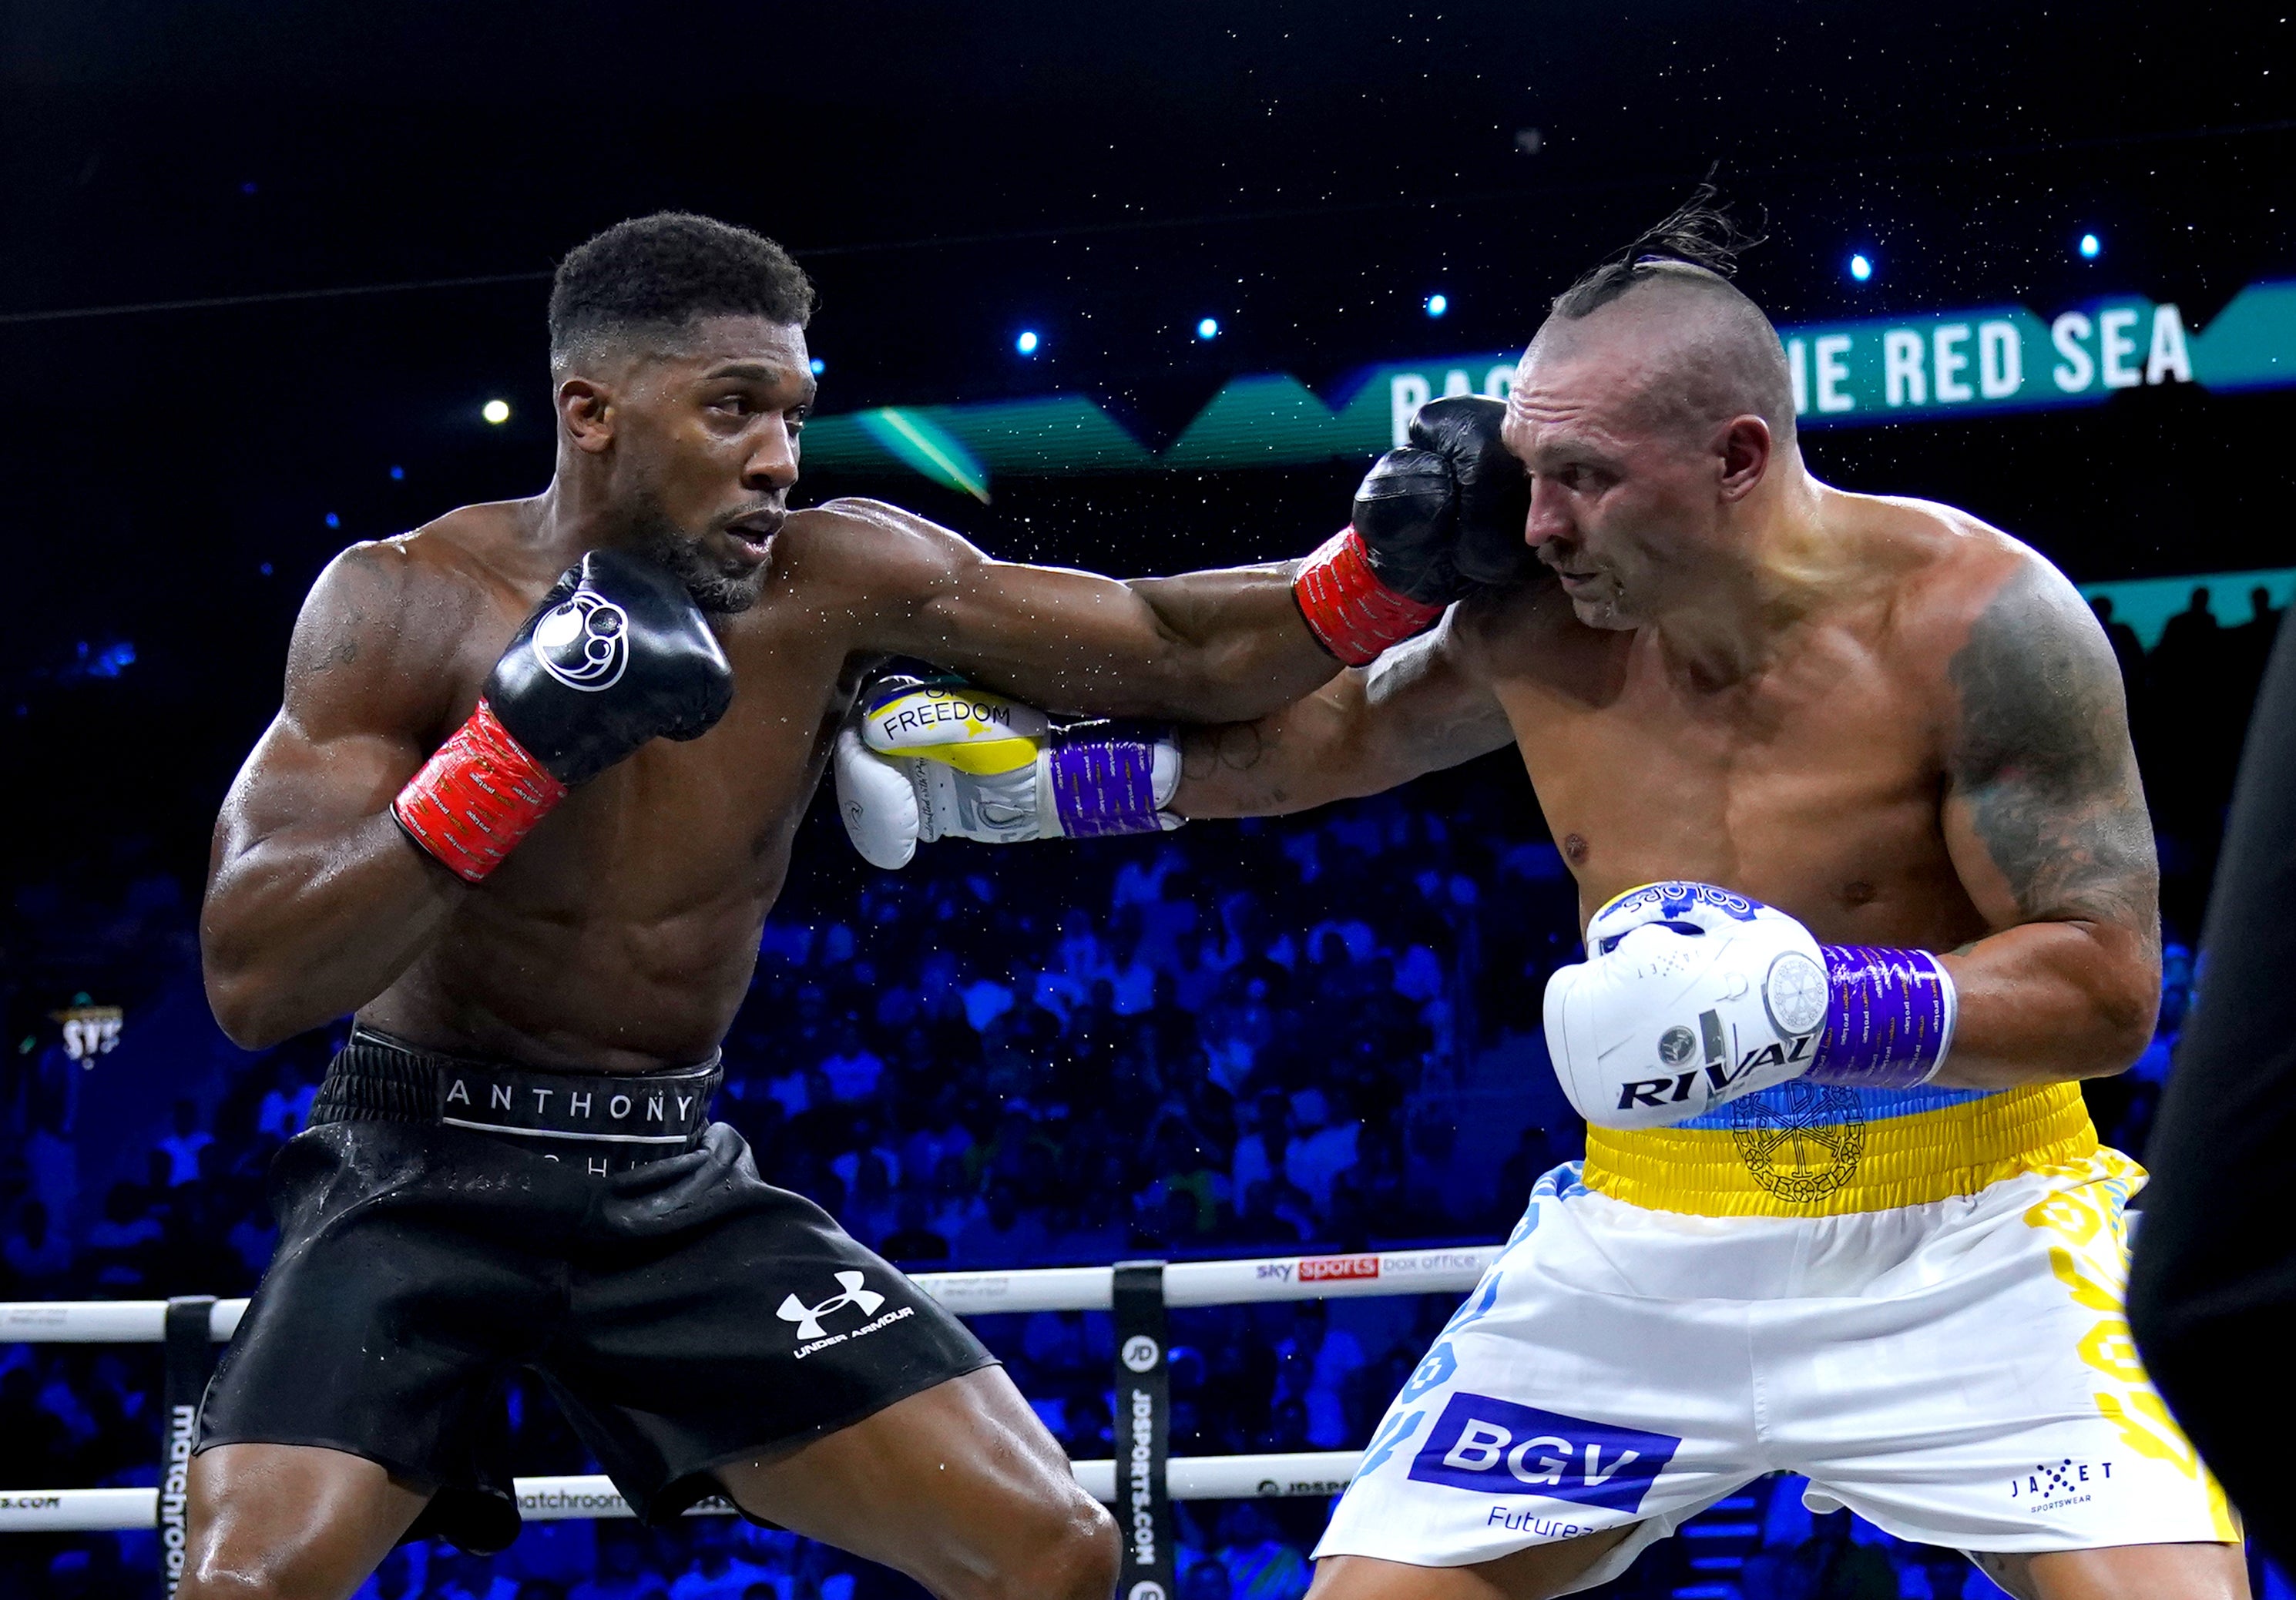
(1878, 370)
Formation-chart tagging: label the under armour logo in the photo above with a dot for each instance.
(809, 1317)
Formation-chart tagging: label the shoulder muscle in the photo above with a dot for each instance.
(374, 641)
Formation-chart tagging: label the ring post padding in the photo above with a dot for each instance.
(1144, 1433)
(189, 1356)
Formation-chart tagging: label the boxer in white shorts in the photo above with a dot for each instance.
(1842, 1212)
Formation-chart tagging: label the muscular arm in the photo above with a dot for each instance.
(1207, 648)
(315, 902)
(1421, 706)
(2046, 822)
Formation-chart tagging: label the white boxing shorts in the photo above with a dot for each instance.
(1957, 1372)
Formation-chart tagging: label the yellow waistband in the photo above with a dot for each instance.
(1815, 1161)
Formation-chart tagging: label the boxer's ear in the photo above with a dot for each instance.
(585, 411)
(1743, 449)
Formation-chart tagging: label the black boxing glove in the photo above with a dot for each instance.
(1494, 499)
(616, 654)
(1434, 520)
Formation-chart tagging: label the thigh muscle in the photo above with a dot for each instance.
(955, 1486)
(2123, 1572)
(290, 1521)
(1535, 1573)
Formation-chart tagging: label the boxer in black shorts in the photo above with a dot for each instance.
(528, 798)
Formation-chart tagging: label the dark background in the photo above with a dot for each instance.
(1307, 173)
(172, 478)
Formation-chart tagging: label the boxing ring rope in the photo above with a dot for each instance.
(1185, 1283)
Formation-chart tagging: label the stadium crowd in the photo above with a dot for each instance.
(1312, 1034)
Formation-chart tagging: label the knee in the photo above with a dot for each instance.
(221, 1573)
(1072, 1555)
(208, 1581)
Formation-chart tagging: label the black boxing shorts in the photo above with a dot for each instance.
(444, 1223)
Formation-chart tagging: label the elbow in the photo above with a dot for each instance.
(2124, 1030)
(248, 1018)
(250, 1005)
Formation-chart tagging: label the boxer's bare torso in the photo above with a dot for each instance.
(624, 930)
(621, 934)
(1930, 749)
(1818, 782)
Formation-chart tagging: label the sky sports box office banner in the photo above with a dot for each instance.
(1878, 370)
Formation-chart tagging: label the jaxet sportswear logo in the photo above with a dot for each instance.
(584, 643)
(1490, 1446)
(809, 1317)
(2053, 1485)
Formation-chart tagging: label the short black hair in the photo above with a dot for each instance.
(1697, 234)
(658, 274)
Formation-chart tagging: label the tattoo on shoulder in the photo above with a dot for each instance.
(2043, 759)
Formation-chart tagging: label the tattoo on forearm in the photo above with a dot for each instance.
(1233, 747)
(2044, 762)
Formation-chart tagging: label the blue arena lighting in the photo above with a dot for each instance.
(1027, 342)
(1860, 268)
(2091, 247)
(333, 521)
(1437, 304)
(817, 366)
(1209, 328)
(398, 474)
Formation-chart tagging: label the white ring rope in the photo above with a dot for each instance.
(967, 1293)
(566, 1499)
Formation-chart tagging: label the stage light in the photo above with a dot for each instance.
(333, 521)
(1860, 268)
(1436, 305)
(1209, 328)
(398, 474)
(496, 412)
(2091, 247)
(1027, 342)
(819, 367)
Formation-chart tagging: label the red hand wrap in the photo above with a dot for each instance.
(476, 797)
(1348, 608)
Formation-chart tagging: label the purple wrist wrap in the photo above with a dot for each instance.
(1104, 782)
(1889, 1019)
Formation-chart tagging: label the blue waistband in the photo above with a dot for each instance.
(1874, 1105)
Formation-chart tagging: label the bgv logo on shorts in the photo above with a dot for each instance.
(1490, 1446)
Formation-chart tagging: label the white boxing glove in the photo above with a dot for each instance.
(1689, 997)
(938, 757)
(876, 802)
